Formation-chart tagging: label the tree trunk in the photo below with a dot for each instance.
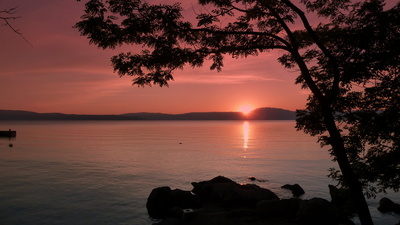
(344, 165)
(337, 143)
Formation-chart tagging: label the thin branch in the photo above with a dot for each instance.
(239, 9)
(243, 48)
(7, 23)
(9, 11)
(283, 41)
(294, 46)
(280, 39)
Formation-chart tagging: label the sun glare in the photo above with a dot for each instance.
(245, 109)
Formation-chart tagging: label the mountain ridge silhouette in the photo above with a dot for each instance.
(265, 113)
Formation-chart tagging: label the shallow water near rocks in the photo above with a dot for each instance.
(101, 172)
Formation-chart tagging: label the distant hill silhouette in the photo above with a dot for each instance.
(189, 116)
(272, 114)
(27, 115)
(257, 114)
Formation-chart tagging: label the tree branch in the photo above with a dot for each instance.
(318, 42)
(283, 41)
(7, 22)
(243, 48)
(294, 50)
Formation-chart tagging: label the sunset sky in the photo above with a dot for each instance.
(61, 72)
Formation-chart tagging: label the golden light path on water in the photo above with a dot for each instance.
(246, 129)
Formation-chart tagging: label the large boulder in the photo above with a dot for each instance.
(387, 205)
(229, 193)
(296, 189)
(164, 202)
(318, 211)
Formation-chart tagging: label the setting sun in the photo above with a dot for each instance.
(245, 109)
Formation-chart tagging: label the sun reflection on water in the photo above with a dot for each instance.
(246, 129)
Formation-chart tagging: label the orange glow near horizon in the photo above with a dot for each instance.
(245, 109)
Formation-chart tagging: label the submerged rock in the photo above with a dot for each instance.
(252, 178)
(256, 179)
(296, 189)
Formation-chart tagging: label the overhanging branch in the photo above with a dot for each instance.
(8, 24)
(324, 49)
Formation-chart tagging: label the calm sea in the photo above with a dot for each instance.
(101, 172)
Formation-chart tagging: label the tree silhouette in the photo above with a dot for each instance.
(6, 16)
(350, 63)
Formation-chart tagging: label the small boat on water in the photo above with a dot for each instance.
(9, 133)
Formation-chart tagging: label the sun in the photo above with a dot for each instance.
(245, 109)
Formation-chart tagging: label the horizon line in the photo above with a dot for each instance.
(91, 114)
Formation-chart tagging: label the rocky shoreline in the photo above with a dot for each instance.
(223, 201)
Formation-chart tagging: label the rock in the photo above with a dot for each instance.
(285, 208)
(341, 198)
(255, 179)
(296, 190)
(227, 202)
(387, 205)
(157, 204)
(318, 211)
(164, 202)
(205, 189)
(229, 193)
(252, 178)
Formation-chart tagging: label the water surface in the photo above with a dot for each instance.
(101, 172)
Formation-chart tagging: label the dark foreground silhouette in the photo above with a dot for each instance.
(223, 201)
(10, 133)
